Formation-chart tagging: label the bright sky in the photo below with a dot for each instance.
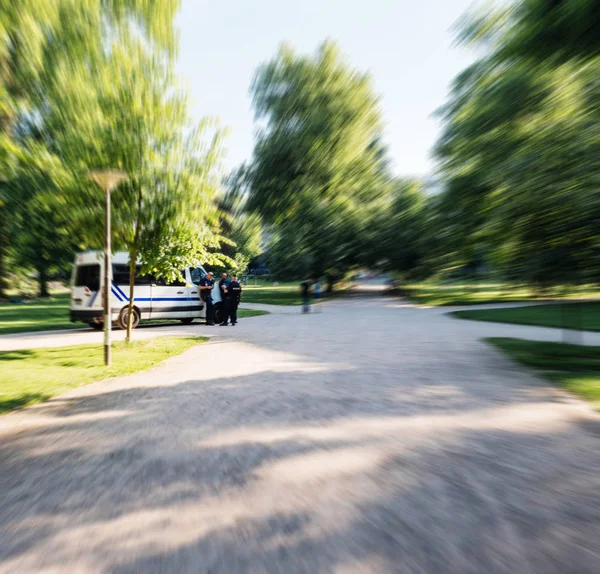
(405, 44)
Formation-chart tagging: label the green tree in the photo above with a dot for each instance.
(318, 161)
(133, 117)
(520, 148)
(39, 42)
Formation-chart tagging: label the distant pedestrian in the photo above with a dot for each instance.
(206, 286)
(317, 294)
(235, 294)
(317, 290)
(305, 291)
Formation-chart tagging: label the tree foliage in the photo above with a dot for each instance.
(520, 149)
(318, 160)
(92, 87)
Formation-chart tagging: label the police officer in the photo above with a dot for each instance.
(224, 289)
(206, 286)
(235, 294)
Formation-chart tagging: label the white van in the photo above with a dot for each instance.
(153, 299)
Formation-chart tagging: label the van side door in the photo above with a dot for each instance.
(171, 300)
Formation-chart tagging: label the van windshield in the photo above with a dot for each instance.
(88, 276)
(197, 274)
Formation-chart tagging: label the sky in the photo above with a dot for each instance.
(406, 45)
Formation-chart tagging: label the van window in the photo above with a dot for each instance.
(197, 275)
(121, 275)
(174, 283)
(88, 276)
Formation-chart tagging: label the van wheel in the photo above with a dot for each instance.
(98, 326)
(124, 315)
(218, 313)
(187, 321)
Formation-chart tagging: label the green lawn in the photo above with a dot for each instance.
(442, 294)
(41, 315)
(245, 313)
(574, 367)
(282, 294)
(35, 375)
(581, 316)
(53, 314)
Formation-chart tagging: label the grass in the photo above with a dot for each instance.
(580, 316)
(442, 294)
(282, 294)
(35, 375)
(40, 315)
(245, 313)
(573, 367)
(53, 314)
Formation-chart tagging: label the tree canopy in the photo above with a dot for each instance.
(317, 160)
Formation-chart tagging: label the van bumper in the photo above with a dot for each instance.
(87, 316)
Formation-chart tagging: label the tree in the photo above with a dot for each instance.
(135, 119)
(319, 161)
(520, 147)
(39, 42)
(242, 227)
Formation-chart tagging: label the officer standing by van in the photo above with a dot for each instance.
(235, 294)
(205, 287)
(224, 291)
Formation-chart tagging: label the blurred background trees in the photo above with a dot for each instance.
(520, 148)
(88, 85)
(317, 164)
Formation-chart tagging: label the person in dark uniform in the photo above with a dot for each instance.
(235, 294)
(224, 289)
(305, 291)
(206, 286)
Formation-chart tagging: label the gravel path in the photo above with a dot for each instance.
(369, 437)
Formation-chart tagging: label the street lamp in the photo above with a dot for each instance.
(107, 180)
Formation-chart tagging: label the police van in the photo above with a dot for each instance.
(152, 298)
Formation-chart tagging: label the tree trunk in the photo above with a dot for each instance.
(43, 278)
(3, 248)
(330, 283)
(132, 262)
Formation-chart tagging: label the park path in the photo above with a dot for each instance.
(370, 437)
(477, 329)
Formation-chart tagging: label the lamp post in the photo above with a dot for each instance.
(107, 180)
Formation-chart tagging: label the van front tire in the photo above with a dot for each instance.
(124, 315)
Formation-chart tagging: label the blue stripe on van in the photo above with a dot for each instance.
(125, 298)
(163, 299)
(93, 298)
(116, 294)
(117, 291)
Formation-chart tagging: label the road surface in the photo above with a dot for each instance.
(370, 437)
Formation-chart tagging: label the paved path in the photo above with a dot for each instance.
(40, 339)
(370, 437)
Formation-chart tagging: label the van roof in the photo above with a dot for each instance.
(96, 256)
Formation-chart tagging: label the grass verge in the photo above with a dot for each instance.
(446, 294)
(40, 315)
(573, 367)
(282, 294)
(579, 316)
(245, 313)
(53, 314)
(35, 375)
